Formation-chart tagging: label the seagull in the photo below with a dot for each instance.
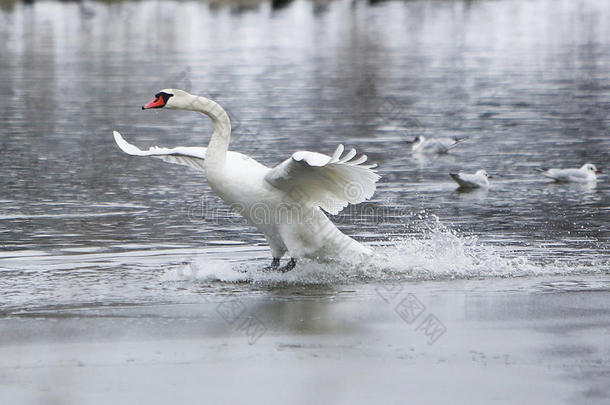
(470, 181)
(586, 174)
(436, 145)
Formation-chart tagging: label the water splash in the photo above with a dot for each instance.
(435, 253)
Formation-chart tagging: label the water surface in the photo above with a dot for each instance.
(84, 224)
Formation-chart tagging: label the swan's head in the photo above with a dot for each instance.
(590, 167)
(483, 173)
(170, 98)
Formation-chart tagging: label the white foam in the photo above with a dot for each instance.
(203, 269)
(436, 253)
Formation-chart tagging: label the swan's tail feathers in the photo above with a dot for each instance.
(541, 169)
(329, 182)
(182, 155)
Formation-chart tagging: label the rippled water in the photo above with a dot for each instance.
(526, 81)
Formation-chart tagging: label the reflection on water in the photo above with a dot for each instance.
(526, 81)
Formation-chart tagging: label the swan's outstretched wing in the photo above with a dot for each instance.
(330, 182)
(182, 155)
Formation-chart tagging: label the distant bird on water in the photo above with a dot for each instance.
(470, 181)
(435, 145)
(586, 174)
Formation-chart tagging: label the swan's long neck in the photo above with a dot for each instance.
(219, 142)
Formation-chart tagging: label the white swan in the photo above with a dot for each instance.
(586, 174)
(284, 202)
(469, 181)
(421, 144)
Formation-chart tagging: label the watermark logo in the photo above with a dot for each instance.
(432, 328)
(354, 191)
(390, 109)
(411, 310)
(234, 312)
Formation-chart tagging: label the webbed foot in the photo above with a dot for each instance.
(275, 264)
(289, 266)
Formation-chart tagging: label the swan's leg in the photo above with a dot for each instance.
(275, 263)
(289, 266)
(278, 249)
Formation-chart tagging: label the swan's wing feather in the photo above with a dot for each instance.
(181, 155)
(349, 156)
(330, 182)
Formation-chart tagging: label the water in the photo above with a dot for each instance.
(84, 225)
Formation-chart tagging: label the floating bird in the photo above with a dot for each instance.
(435, 145)
(284, 202)
(586, 174)
(470, 181)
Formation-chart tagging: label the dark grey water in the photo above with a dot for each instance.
(527, 81)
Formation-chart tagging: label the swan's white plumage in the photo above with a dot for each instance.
(330, 183)
(348, 156)
(182, 155)
(285, 202)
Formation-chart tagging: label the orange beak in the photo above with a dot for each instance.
(158, 102)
